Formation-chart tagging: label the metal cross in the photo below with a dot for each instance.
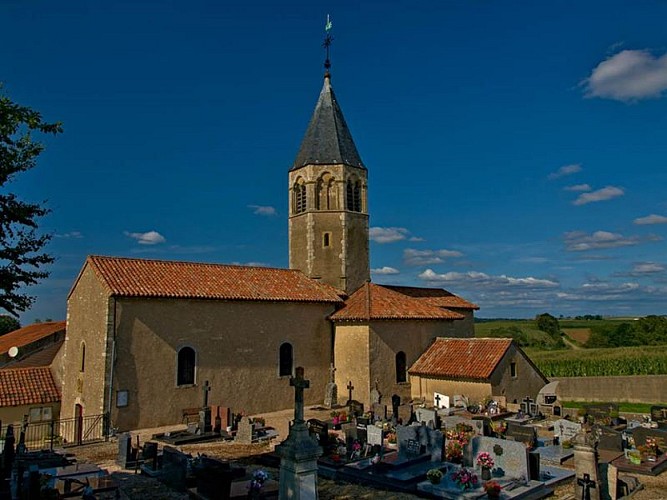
(586, 483)
(299, 383)
(437, 400)
(206, 388)
(349, 388)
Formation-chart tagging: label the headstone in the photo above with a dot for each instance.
(459, 401)
(320, 430)
(404, 414)
(640, 434)
(374, 435)
(350, 432)
(602, 412)
(486, 422)
(149, 454)
(376, 395)
(523, 433)
(440, 400)
(659, 415)
(214, 478)
(586, 466)
(361, 432)
(395, 403)
(225, 415)
(534, 465)
(608, 438)
(565, 430)
(529, 407)
(356, 408)
(244, 431)
(415, 440)
(331, 390)
(428, 416)
(174, 468)
(379, 411)
(510, 457)
(124, 450)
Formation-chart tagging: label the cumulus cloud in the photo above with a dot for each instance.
(651, 219)
(579, 241)
(565, 170)
(387, 234)
(413, 257)
(385, 270)
(70, 235)
(644, 269)
(629, 75)
(606, 193)
(578, 188)
(478, 280)
(262, 210)
(600, 292)
(148, 238)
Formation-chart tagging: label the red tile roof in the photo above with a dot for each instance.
(29, 334)
(42, 357)
(374, 302)
(434, 296)
(27, 386)
(461, 358)
(125, 277)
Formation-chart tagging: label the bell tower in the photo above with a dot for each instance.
(328, 204)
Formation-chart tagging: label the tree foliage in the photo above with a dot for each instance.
(8, 324)
(548, 324)
(651, 330)
(22, 260)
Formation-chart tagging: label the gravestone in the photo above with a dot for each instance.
(608, 438)
(586, 465)
(428, 416)
(214, 478)
(361, 432)
(225, 416)
(415, 440)
(331, 390)
(205, 411)
(534, 465)
(440, 400)
(244, 431)
(459, 401)
(640, 434)
(320, 430)
(125, 455)
(510, 457)
(395, 403)
(149, 454)
(349, 388)
(376, 395)
(565, 430)
(529, 407)
(174, 468)
(374, 435)
(659, 415)
(602, 412)
(379, 411)
(404, 414)
(486, 423)
(356, 408)
(523, 433)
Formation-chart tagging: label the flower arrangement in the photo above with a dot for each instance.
(258, 478)
(652, 444)
(499, 428)
(434, 475)
(454, 452)
(462, 437)
(465, 479)
(356, 446)
(492, 487)
(485, 460)
(260, 421)
(391, 437)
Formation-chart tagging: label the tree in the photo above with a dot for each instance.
(22, 260)
(8, 324)
(547, 323)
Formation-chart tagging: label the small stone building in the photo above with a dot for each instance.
(476, 368)
(28, 392)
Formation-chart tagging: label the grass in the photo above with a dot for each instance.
(622, 407)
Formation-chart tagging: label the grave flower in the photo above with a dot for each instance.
(434, 475)
(454, 452)
(258, 478)
(485, 460)
(492, 489)
(465, 479)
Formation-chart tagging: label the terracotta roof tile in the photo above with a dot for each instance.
(435, 296)
(155, 278)
(373, 302)
(461, 358)
(29, 334)
(43, 357)
(27, 386)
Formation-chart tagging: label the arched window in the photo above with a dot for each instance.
(326, 192)
(299, 195)
(353, 195)
(286, 360)
(83, 357)
(401, 367)
(185, 374)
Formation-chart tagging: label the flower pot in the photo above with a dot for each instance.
(435, 480)
(493, 494)
(486, 473)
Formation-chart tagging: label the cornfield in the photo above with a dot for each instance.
(602, 362)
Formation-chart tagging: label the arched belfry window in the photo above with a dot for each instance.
(286, 362)
(326, 193)
(299, 196)
(401, 367)
(185, 372)
(353, 193)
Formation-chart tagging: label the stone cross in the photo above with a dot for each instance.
(349, 389)
(587, 484)
(206, 388)
(527, 402)
(299, 383)
(437, 400)
(332, 373)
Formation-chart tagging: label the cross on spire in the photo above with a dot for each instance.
(327, 44)
(299, 383)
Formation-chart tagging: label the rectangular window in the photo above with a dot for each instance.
(513, 369)
(326, 239)
(41, 414)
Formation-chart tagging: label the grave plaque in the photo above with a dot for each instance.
(659, 415)
(608, 438)
(440, 400)
(124, 450)
(412, 447)
(374, 435)
(602, 411)
(486, 422)
(361, 433)
(509, 456)
(426, 416)
(639, 434)
(350, 431)
(319, 429)
(565, 430)
(523, 433)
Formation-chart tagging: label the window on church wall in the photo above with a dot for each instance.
(353, 195)
(299, 195)
(401, 368)
(512, 369)
(332, 195)
(286, 362)
(357, 197)
(83, 357)
(185, 371)
(326, 240)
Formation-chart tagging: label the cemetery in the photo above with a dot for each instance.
(448, 447)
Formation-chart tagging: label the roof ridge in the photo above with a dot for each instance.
(191, 262)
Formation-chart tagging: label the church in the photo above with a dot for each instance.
(144, 336)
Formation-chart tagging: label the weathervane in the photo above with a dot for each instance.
(327, 43)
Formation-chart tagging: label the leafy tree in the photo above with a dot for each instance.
(22, 260)
(547, 323)
(8, 324)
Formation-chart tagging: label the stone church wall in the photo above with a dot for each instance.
(527, 382)
(237, 350)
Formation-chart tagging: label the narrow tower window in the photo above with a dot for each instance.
(286, 360)
(353, 195)
(186, 366)
(299, 195)
(83, 357)
(513, 369)
(401, 367)
(326, 239)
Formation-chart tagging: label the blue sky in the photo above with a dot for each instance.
(516, 150)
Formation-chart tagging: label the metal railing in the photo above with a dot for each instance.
(63, 432)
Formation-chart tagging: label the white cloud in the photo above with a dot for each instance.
(644, 269)
(413, 257)
(578, 241)
(250, 264)
(262, 210)
(478, 280)
(148, 238)
(651, 219)
(606, 193)
(578, 187)
(71, 234)
(600, 292)
(565, 170)
(629, 75)
(387, 234)
(385, 270)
